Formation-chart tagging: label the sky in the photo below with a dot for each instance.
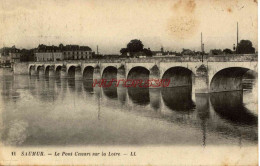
(111, 24)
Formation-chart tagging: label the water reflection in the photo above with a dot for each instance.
(155, 98)
(88, 86)
(178, 99)
(111, 91)
(71, 84)
(57, 86)
(229, 105)
(121, 93)
(139, 95)
(44, 89)
(202, 106)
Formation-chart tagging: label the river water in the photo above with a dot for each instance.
(50, 111)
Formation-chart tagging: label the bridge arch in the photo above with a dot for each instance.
(138, 73)
(38, 68)
(228, 79)
(71, 71)
(178, 76)
(58, 70)
(31, 69)
(57, 67)
(47, 69)
(110, 72)
(88, 73)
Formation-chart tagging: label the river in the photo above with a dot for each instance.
(57, 112)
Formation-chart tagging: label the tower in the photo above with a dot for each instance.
(201, 43)
(202, 47)
(237, 38)
(162, 49)
(237, 33)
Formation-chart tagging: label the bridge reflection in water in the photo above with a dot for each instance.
(229, 105)
(178, 99)
(67, 112)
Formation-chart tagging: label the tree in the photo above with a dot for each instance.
(135, 46)
(123, 51)
(216, 52)
(227, 51)
(245, 47)
(187, 52)
(147, 52)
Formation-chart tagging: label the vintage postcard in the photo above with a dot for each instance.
(128, 82)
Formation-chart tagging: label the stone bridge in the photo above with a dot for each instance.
(212, 74)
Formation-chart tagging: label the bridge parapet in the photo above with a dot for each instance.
(164, 59)
(184, 58)
(233, 58)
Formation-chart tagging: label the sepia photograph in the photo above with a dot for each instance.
(129, 82)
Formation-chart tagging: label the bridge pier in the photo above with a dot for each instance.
(52, 71)
(193, 84)
(153, 81)
(78, 73)
(97, 74)
(201, 80)
(63, 72)
(121, 75)
(153, 76)
(33, 71)
(41, 71)
(155, 98)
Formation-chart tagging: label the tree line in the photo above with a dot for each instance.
(136, 48)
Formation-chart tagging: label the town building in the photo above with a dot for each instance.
(9, 55)
(76, 52)
(163, 53)
(158, 53)
(48, 53)
(59, 53)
